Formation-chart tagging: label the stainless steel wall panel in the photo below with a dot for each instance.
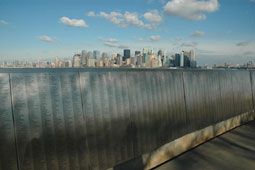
(79, 120)
(156, 110)
(8, 158)
(226, 91)
(246, 100)
(145, 102)
(150, 111)
(197, 102)
(47, 120)
(23, 104)
(253, 87)
(212, 92)
(59, 121)
(107, 119)
(176, 105)
(121, 124)
(90, 117)
(136, 113)
(96, 118)
(161, 102)
(237, 93)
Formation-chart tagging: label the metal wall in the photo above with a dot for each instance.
(97, 118)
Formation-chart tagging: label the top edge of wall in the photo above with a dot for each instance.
(45, 70)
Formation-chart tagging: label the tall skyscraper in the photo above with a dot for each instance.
(177, 61)
(84, 57)
(160, 53)
(137, 53)
(96, 54)
(182, 59)
(104, 55)
(127, 54)
(77, 60)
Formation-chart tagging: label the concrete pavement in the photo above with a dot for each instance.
(234, 150)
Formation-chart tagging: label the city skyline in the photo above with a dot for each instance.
(217, 30)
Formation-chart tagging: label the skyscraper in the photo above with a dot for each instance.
(137, 53)
(77, 60)
(127, 54)
(177, 61)
(96, 54)
(182, 59)
(84, 57)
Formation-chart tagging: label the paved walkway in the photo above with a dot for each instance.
(234, 150)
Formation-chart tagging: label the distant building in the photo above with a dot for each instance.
(127, 54)
(84, 58)
(77, 60)
(137, 53)
(119, 60)
(182, 59)
(91, 62)
(90, 55)
(104, 55)
(96, 54)
(177, 60)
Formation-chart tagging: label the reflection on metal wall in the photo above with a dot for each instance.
(8, 159)
(95, 119)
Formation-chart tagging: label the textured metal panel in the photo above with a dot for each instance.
(104, 117)
(150, 112)
(242, 92)
(49, 121)
(59, 121)
(136, 113)
(121, 124)
(246, 93)
(8, 159)
(197, 101)
(90, 117)
(226, 91)
(253, 87)
(176, 105)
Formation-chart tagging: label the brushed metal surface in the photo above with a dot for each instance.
(97, 118)
(197, 102)
(49, 120)
(252, 77)
(176, 105)
(8, 158)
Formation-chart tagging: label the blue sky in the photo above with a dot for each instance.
(218, 30)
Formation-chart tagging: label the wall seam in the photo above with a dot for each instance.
(84, 118)
(252, 92)
(14, 125)
(185, 103)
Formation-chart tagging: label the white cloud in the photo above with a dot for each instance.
(73, 22)
(100, 38)
(138, 38)
(243, 43)
(132, 19)
(3, 22)
(112, 40)
(197, 34)
(91, 14)
(191, 9)
(116, 45)
(161, 1)
(189, 44)
(45, 38)
(153, 17)
(248, 53)
(154, 38)
(179, 38)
